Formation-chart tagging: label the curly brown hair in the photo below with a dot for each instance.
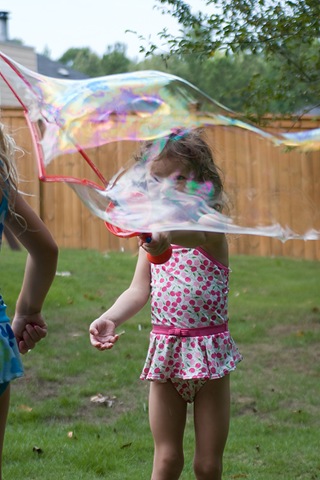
(192, 150)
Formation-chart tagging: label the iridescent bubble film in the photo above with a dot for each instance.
(80, 116)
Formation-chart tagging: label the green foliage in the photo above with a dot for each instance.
(55, 430)
(284, 34)
(271, 26)
(115, 60)
(253, 57)
(224, 78)
(84, 60)
(242, 82)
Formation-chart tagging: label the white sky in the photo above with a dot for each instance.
(61, 24)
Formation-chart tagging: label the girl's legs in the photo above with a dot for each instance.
(211, 421)
(4, 407)
(167, 415)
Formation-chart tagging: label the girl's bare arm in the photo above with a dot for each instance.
(130, 302)
(28, 324)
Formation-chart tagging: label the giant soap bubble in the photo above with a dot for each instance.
(67, 116)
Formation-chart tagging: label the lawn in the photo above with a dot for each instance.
(82, 414)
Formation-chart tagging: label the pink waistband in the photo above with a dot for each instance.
(190, 332)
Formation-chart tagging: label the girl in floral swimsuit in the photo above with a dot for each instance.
(28, 326)
(191, 352)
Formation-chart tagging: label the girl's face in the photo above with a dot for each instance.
(171, 169)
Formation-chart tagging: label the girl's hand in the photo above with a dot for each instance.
(159, 243)
(102, 334)
(28, 330)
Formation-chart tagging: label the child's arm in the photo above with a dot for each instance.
(28, 324)
(130, 302)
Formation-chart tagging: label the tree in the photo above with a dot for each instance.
(86, 61)
(283, 33)
(115, 60)
(46, 52)
(83, 60)
(229, 79)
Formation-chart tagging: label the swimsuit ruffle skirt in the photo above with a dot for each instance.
(10, 361)
(190, 291)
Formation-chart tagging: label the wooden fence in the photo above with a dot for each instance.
(254, 171)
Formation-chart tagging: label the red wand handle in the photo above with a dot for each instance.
(157, 259)
(162, 258)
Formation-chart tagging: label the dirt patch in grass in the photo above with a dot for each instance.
(294, 347)
(33, 391)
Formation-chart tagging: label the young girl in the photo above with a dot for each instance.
(28, 326)
(191, 352)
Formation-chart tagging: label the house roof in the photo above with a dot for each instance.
(55, 69)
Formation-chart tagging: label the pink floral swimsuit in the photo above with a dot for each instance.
(189, 307)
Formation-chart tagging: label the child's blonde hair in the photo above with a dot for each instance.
(191, 149)
(8, 171)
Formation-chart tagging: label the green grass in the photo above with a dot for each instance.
(56, 432)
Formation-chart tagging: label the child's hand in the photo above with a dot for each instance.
(159, 243)
(102, 334)
(28, 330)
